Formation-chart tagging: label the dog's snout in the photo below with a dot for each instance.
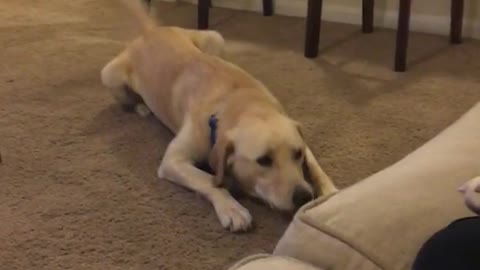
(301, 196)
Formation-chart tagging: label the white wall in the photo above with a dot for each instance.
(429, 16)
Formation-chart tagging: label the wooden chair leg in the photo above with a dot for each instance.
(312, 32)
(367, 15)
(267, 7)
(456, 22)
(203, 13)
(402, 35)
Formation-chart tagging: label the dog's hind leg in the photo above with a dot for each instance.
(131, 101)
(208, 41)
(115, 73)
(115, 76)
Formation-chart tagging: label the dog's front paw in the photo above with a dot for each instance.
(233, 216)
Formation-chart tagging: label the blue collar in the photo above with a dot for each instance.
(212, 124)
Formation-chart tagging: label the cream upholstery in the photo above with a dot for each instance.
(381, 222)
(265, 262)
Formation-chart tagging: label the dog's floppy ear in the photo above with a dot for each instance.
(219, 158)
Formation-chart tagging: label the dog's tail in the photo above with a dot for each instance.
(139, 12)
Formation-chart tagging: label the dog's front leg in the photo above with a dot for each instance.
(320, 179)
(178, 167)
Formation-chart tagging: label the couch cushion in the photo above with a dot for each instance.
(265, 262)
(381, 222)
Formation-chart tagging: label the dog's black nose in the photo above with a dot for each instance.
(301, 196)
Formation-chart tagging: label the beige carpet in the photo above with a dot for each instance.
(78, 186)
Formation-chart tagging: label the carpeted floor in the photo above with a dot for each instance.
(78, 186)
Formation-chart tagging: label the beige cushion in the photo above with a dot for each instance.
(266, 262)
(381, 222)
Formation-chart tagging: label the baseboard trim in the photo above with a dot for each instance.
(342, 14)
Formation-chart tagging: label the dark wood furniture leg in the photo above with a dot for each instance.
(204, 6)
(402, 35)
(367, 15)
(267, 7)
(456, 23)
(203, 13)
(312, 32)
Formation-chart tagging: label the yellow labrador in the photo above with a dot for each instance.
(220, 114)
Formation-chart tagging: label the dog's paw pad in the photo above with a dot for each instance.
(234, 216)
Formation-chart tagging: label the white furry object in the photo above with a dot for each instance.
(470, 191)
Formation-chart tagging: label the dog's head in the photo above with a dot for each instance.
(266, 156)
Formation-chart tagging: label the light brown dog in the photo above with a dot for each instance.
(220, 114)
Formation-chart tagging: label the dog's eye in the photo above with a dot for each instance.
(265, 161)
(297, 154)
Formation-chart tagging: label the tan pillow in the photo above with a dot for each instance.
(381, 222)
